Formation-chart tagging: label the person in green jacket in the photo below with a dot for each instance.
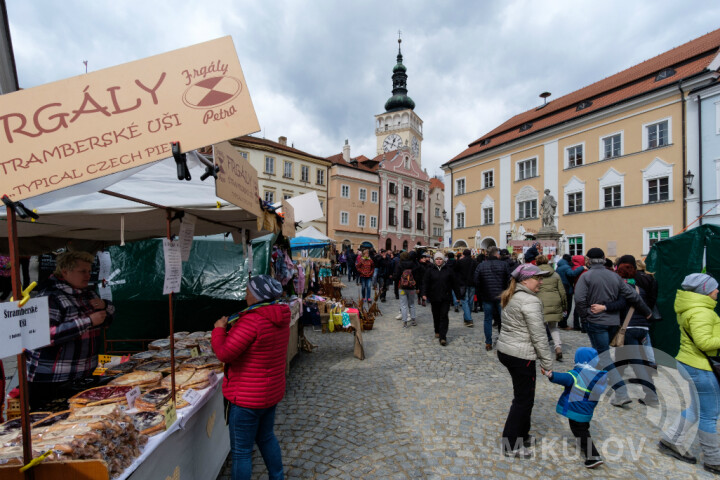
(554, 299)
(699, 336)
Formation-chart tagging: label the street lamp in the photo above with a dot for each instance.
(444, 214)
(688, 181)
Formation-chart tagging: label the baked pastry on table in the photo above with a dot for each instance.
(159, 398)
(162, 366)
(111, 393)
(203, 361)
(52, 419)
(180, 354)
(120, 368)
(187, 378)
(142, 379)
(186, 342)
(142, 356)
(160, 344)
(196, 335)
(16, 423)
(148, 422)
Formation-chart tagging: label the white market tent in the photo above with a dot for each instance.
(314, 233)
(86, 217)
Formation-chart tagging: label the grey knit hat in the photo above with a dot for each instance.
(699, 283)
(264, 287)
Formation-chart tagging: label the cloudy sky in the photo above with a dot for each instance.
(319, 70)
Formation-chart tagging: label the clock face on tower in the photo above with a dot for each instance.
(415, 146)
(392, 142)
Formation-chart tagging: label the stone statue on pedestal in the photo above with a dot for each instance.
(547, 212)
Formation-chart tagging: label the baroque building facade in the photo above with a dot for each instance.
(614, 154)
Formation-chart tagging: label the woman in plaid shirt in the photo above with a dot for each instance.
(77, 315)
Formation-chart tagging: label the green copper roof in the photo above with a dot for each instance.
(399, 99)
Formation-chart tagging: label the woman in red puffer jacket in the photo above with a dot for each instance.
(254, 351)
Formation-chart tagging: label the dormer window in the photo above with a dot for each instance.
(485, 142)
(665, 73)
(583, 105)
(526, 126)
(407, 163)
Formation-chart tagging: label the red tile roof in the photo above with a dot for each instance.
(688, 60)
(269, 143)
(363, 163)
(436, 183)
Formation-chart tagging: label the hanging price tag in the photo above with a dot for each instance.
(170, 415)
(194, 352)
(191, 396)
(131, 396)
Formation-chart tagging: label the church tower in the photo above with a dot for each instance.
(399, 126)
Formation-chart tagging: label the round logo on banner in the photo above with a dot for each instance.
(212, 92)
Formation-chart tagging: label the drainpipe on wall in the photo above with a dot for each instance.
(700, 162)
(684, 157)
(452, 194)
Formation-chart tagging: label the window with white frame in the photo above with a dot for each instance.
(611, 189)
(488, 179)
(437, 212)
(575, 156)
(361, 220)
(657, 181)
(374, 197)
(345, 191)
(657, 134)
(243, 154)
(460, 220)
(287, 169)
(344, 218)
(575, 245)
(287, 196)
(527, 209)
(658, 190)
(527, 169)
(611, 146)
(575, 202)
(320, 176)
(654, 235)
(612, 196)
(304, 173)
(363, 194)
(269, 165)
(488, 217)
(373, 222)
(459, 186)
(269, 196)
(526, 202)
(574, 192)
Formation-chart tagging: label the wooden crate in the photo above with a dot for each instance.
(13, 408)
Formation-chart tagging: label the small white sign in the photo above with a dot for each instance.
(187, 230)
(191, 396)
(131, 396)
(173, 267)
(26, 327)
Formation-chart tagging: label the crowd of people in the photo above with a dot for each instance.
(531, 299)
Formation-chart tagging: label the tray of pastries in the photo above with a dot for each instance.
(158, 398)
(142, 379)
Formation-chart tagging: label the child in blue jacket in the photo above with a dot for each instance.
(583, 386)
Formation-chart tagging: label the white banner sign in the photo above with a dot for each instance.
(26, 327)
(173, 267)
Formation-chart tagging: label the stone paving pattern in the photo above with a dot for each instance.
(414, 409)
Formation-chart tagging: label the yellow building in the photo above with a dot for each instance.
(285, 172)
(612, 154)
(354, 194)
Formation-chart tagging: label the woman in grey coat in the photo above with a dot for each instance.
(522, 341)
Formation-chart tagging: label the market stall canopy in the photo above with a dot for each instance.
(82, 215)
(314, 233)
(307, 242)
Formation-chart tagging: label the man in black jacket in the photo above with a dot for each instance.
(438, 287)
(464, 269)
(491, 277)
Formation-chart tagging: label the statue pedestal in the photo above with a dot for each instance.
(548, 233)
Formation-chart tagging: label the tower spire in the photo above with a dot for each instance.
(399, 99)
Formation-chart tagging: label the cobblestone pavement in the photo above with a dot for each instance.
(414, 409)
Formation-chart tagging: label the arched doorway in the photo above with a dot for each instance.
(346, 244)
(488, 242)
(460, 244)
(388, 244)
(405, 245)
